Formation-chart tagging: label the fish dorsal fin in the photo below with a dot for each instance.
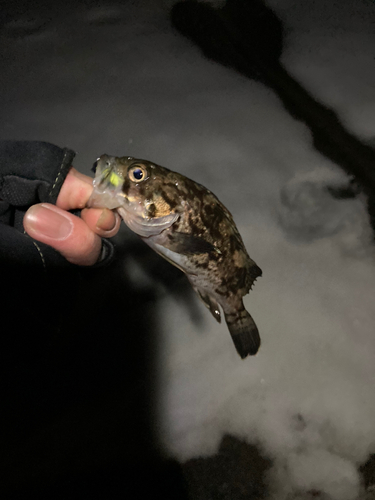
(253, 272)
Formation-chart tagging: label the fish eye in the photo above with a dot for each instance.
(137, 173)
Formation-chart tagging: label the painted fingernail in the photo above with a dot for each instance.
(46, 221)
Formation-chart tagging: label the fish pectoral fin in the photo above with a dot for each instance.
(188, 244)
(210, 303)
(244, 332)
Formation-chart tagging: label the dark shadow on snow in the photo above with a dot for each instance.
(248, 36)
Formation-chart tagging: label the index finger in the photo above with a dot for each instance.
(75, 191)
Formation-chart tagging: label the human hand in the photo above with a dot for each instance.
(78, 239)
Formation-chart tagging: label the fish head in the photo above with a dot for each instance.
(136, 188)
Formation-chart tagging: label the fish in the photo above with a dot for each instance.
(188, 226)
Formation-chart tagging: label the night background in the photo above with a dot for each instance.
(271, 106)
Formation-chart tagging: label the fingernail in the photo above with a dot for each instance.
(48, 222)
(106, 221)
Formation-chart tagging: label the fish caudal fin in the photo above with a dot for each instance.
(244, 332)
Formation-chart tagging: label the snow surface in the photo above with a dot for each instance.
(118, 79)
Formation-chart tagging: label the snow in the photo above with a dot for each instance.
(118, 79)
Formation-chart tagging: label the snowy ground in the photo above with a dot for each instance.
(118, 79)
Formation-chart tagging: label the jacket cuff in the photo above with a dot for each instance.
(32, 171)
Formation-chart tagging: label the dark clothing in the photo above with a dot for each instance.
(31, 172)
(76, 358)
(38, 283)
(31, 272)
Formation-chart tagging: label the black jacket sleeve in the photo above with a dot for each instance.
(39, 287)
(31, 172)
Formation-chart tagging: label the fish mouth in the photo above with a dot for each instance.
(144, 226)
(107, 192)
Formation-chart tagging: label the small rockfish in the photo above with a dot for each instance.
(187, 225)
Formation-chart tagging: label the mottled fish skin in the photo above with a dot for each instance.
(186, 224)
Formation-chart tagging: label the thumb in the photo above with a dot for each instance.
(63, 231)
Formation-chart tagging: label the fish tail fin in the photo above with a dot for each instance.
(244, 332)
